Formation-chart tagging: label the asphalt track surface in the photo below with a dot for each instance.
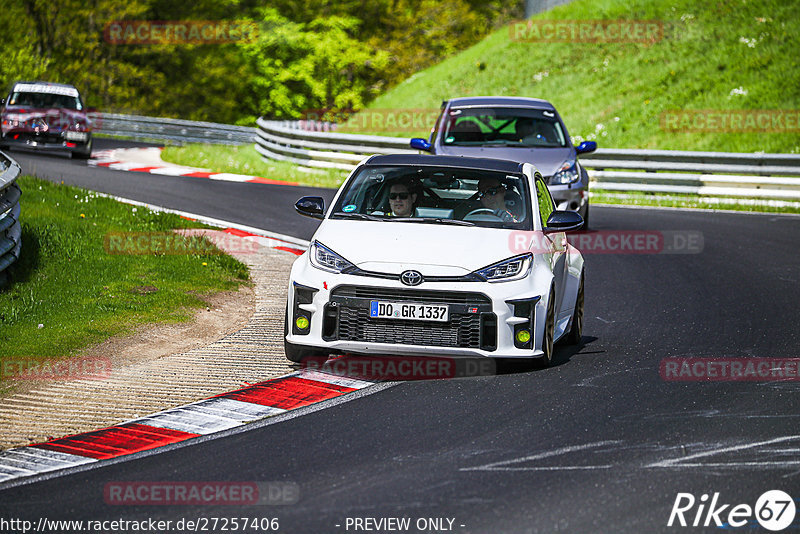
(597, 443)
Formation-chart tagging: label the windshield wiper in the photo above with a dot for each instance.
(362, 216)
(433, 220)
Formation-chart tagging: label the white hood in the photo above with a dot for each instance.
(432, 249)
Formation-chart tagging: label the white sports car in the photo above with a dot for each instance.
(436, 255)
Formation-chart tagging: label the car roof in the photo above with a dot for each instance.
(461, 162)
(39, 82)
(63, 88)
(516, 101)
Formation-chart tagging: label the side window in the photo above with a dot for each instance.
(546, 206)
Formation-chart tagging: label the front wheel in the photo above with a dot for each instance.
(85, 152)
(585, 225)
(549, 329)
(575, 333)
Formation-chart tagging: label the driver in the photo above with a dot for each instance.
(492, 195)
(401, 200)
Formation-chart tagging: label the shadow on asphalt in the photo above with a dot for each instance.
(386, 368)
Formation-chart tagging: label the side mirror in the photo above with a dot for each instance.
(2, 101)
(585, 147)
(311, 207)
(420, 144)
(563, 221)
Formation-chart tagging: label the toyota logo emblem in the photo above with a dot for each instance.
(411, 278)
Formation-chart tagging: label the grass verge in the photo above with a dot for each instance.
(66, 292)
(244, 159)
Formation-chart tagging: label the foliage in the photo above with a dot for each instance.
(308, 54)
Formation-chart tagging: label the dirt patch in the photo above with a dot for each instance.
(237, 339)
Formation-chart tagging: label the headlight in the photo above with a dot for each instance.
(324, 258)
(567, 174)
(514, 268)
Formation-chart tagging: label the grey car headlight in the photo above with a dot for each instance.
(324, 258)
(567, 174)
(514, 268)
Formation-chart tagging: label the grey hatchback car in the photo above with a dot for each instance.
(517, 129)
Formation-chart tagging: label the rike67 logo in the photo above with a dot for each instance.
(774, 510)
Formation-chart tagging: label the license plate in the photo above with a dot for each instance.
(76, 136)
(409, 311)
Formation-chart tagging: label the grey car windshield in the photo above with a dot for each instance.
(436, 195)
(495, 126)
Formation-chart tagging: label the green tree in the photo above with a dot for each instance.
(315, 65)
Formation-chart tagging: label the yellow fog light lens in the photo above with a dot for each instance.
(523, 336)
(301, 322)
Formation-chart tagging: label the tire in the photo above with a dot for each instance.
(585, 226)
(576, 331)
(549, 330)
(300, 353)
(85, 153)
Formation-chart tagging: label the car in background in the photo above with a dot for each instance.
(44, 115)
(517, 129)
(448, 277)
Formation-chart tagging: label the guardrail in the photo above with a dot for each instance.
(738, 175)
(10, 228)
(171, 130)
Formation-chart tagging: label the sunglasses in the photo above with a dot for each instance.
(401, 196)
(492, 191)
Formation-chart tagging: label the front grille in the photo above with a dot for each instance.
(460, 331)
(472, 323)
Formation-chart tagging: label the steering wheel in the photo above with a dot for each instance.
(486, 211)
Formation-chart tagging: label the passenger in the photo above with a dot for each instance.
(402, 200)
(492, 195)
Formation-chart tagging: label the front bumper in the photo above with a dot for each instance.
(49, 142)
(482, 320)
(572, 197)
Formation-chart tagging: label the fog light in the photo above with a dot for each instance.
(523, 336)
(301, 322)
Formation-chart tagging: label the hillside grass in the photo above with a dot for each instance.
(67, 291)
(740, 54)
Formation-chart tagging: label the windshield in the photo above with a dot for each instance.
(45, 100)
(436, 195)
(503, 127)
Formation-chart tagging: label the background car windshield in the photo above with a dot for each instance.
(503, 127)
(438, 195)
(45, 100)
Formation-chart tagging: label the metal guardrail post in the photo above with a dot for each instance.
(10, 228)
